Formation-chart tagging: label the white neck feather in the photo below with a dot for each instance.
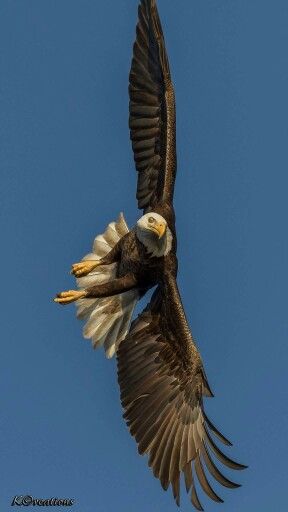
(155, 247)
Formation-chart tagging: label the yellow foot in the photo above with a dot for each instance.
(84, 268)
(69, 296)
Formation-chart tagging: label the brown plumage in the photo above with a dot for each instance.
(160, 371)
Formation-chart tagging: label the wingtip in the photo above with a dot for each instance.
(197, 506)
(221, 456)
(216, 431)
(243, 466)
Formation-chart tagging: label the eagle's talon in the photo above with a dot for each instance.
(69, 296)
(84, 268)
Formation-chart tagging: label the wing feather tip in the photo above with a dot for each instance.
(230, 463)
(242, 467)
(216, 431)
(195, 500)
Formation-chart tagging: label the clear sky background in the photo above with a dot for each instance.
(67, 170)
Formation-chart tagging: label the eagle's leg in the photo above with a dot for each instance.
(83, 268)
(119, 285)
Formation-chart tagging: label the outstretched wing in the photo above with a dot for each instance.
(162, 383)
(152, 111)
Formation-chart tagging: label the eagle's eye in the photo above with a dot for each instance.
(151, 220)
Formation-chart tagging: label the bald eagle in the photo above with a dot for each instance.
(160, 371)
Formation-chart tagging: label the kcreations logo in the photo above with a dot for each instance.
(28, 500)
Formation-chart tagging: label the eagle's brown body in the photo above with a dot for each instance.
(160, 371)
(135, 260)
(135, 264)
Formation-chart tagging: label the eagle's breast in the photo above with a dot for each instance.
(136, 260)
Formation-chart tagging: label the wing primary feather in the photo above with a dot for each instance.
(143, 144)
(164, 473)
(223, 458)
(176, 489)
(147, 431)
(187, 470)
(214, 471)
(204, 482)
(157, 444)
(184, 441)
(164, 446)
(148, 417)
(143, 122)
(148, 133)
(216, 431)
(194, 496)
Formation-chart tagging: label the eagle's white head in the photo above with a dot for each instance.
(154, 234)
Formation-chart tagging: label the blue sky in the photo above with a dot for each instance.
(67, 170)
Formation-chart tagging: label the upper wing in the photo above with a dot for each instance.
(162, 383)
(152, 111)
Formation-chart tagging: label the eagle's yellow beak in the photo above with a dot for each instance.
(159, 228)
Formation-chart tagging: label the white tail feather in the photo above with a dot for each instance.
(107, 319)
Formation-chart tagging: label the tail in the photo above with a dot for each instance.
(107, 319)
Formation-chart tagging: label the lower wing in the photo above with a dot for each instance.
(162, 383)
